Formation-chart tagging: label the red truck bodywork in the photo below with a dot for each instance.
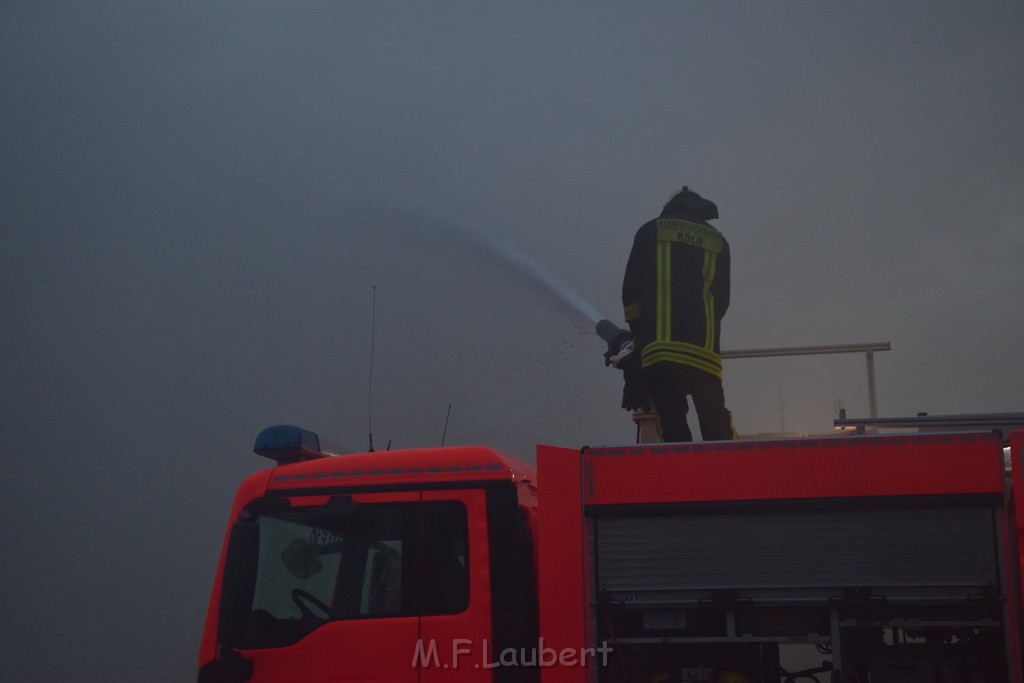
(619, 593)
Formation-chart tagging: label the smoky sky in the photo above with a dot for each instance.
(210, 213)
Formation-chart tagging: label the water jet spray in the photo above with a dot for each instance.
(621, 343)
(535, 273)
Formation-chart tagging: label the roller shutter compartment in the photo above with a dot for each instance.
(912, 554)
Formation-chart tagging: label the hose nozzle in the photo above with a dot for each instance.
(607, 330)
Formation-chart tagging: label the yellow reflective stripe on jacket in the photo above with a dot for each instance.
(671, 231)
(710, 261)
(663, 319)
(684, 353)
(677, 277)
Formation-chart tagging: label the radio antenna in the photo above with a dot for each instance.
(369, 389)
(446, 423)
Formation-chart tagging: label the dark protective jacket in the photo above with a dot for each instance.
(676, 289)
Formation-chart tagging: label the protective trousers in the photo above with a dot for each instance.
(668, 385)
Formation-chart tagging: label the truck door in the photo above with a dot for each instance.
(330, 589)
(456, 620)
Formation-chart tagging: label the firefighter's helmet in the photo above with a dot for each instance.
(689, 204)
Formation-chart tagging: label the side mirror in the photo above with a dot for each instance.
(231, 668)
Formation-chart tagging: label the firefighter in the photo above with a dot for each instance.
(674, 294)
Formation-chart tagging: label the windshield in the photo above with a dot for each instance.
(353, 561)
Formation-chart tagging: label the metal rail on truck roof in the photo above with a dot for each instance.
(1003, 423)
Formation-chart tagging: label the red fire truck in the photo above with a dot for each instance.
(873, 557)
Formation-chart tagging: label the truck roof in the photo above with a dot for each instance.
(414, 467)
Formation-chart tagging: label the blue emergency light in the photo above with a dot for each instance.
(287, 444)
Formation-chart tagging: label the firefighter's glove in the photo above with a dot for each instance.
(633, 394)
(620, 359)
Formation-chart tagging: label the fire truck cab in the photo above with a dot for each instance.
(387, 566)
